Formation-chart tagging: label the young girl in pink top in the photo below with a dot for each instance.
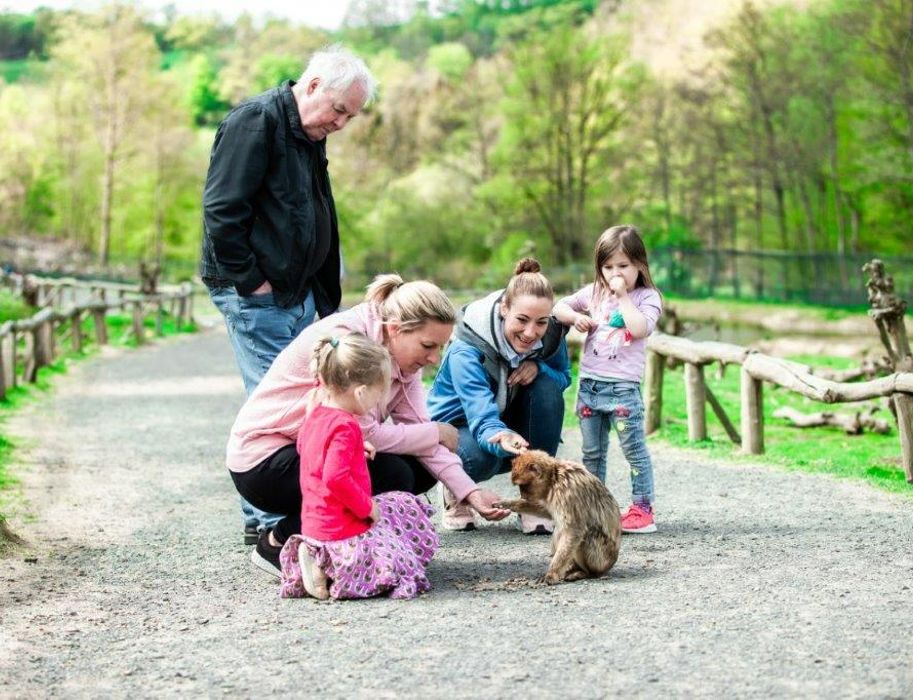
(617, 312)
(361, 546)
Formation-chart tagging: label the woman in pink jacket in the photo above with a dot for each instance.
(413, 321)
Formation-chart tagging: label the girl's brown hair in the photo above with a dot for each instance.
(527, 280)
(625, 238)
(350, 360)
(410, 304)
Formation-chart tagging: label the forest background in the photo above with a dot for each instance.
(503, 127)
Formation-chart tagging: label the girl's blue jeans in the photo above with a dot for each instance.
(602, 407)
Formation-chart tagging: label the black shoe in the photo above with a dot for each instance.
(251, 534)
(266, 557)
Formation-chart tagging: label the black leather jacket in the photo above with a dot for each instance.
(268, 210)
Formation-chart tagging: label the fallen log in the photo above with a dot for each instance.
(869, 369)
(851, 424)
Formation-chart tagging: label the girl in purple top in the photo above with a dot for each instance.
(617, 312)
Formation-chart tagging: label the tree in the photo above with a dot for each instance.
(569, 99)
(112, 56)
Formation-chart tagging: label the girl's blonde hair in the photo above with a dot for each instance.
(410, 304)
(527, 280)
(625, 238)
(350, 360)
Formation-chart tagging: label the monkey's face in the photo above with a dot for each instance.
(530, 472)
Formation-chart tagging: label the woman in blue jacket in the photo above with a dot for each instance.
(501, 383)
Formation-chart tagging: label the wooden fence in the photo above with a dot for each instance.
(756, 369)
(29, 344)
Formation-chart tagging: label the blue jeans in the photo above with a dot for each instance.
(536, 413)
(602, 406)
(259, 330)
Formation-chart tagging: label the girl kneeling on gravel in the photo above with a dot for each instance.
(364, 546)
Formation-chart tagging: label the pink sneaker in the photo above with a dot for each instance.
(534, 525)
(637, 521)
(457, 517)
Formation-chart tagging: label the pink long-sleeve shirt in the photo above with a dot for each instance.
(276, 410)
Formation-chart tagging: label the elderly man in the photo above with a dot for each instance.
(270, 242)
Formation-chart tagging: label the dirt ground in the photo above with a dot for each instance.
(759, 582)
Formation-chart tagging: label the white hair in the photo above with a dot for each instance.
(338, 69)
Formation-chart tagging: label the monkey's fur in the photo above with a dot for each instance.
(587, 532)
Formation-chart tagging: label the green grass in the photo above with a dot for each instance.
(868, 457)
(15, 69)
(747, 310)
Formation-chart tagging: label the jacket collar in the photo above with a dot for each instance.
(291, 113)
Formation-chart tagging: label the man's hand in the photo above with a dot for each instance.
(264, 288)
(509, 441)
(448, 436)
(525, 374)
(483, 500)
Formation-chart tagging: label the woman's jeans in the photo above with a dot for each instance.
(259, 330)
(536, 413)
(602, 406)
(274, 485)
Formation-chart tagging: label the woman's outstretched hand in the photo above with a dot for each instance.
(448, 436)
(483, 500)
(509, 441)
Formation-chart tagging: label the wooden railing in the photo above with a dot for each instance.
(30, 344)
(757, 368)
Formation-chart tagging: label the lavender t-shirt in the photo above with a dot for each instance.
(610, 353)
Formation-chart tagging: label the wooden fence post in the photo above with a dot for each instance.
(47, 328)
(653, 382)
(12, 379)
(888, 312)
(695, 401)
(138, 329)
(76, 330)
(752, 414)
(3, 365)
(101, 328)
(159, 317)
(30, 369)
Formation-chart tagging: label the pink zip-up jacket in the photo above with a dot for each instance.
(275, 411)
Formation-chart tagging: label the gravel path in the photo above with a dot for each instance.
(759, 582)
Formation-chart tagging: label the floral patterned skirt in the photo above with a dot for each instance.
(389, 558)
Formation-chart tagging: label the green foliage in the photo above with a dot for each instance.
(452, 60)
(12, 308)
(799, 136)
(272, 69)
(22, 35)
(16, 69)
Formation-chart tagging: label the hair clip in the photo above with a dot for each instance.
(334, 342)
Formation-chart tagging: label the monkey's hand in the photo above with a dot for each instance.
(550, 579)
(521, 505)
(507, 505)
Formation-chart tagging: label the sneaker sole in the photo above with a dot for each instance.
(641, 531)
(264, 564)
(307, 579)
(459, 528)
(539, 530)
